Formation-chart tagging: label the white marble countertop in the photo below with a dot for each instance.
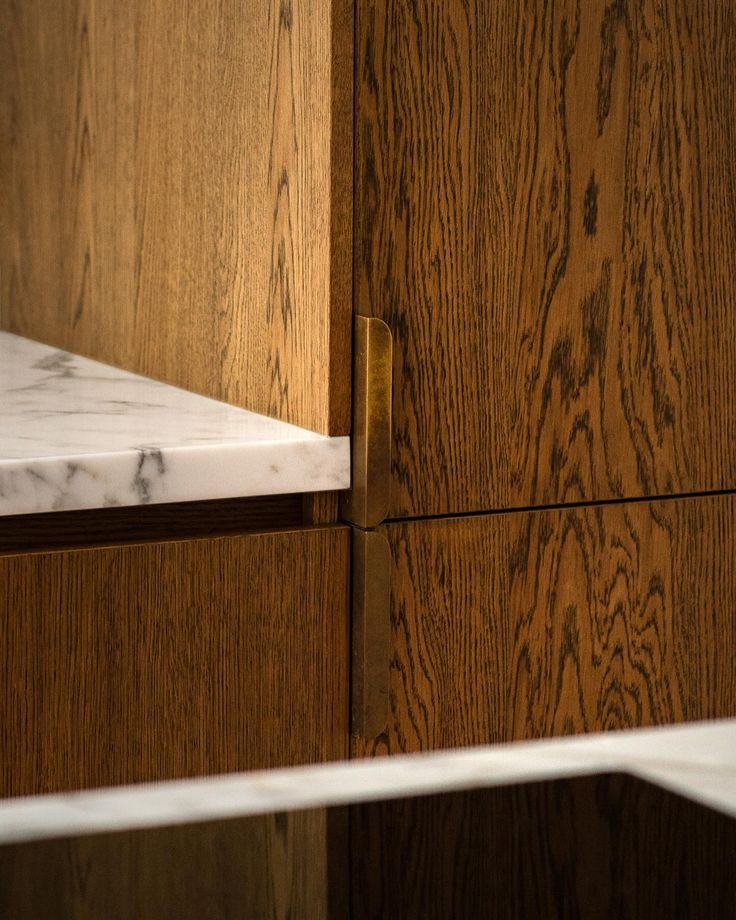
(75, 434)
(697, 761)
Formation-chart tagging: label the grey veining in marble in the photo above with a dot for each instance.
(75, 433)
(697, 761)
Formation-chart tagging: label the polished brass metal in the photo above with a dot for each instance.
(367, 503)
(371, 632)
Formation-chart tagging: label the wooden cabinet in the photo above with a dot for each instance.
(124, 664)
(531, 624)
(537, 198)
(545, 220)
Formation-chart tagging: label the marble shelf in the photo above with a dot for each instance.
(697, 761)
(76, 434)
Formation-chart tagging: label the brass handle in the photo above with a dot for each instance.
(367, 503)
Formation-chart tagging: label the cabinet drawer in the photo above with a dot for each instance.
(533, 624)
(146, 662)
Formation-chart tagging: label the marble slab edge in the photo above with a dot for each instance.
(76, 434)
(697, 761)
(146, 476)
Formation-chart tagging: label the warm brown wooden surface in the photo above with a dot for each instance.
(546, 219)
(133, 663)
(176, 193)
(267, 868)
(533, 624)
(605, 848)
(321, 507)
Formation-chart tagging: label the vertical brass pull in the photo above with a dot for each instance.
(371, 632)
(367, 503)
(366, 506)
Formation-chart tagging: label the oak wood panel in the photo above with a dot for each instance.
(154, 661)
(176, 193)
(321, 508)
(273, 867)
(545, 623)
(602, 847)
(546, 219)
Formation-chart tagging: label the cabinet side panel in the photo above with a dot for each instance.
(167, 189)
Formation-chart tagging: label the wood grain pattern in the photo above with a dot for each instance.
(546, 219)
(267, 868)
(321, 507)
(604, 847)
(535, 624)
(177, 193)
(135, 663)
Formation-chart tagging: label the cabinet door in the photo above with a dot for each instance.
(126, 664)
(545, 219)
(532, 624)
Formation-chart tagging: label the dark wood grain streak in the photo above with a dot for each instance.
(176, 193)
(534, 624)
(149, 523)
(605, 847)
(266, 868)
(546, 218)
(162, 660)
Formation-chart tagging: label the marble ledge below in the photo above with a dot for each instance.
(78, 434)
(696, 761)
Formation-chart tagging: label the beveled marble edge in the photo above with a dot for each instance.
(78, 434)
(697, 761)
